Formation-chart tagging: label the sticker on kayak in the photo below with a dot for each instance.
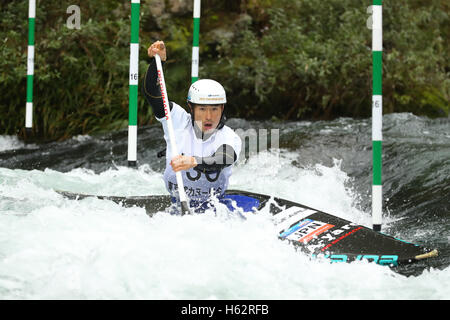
(305, 230)
(290, 216)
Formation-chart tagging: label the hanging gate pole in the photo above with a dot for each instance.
(30, 66)
(133, 82)
(195, 41)
(377, 113)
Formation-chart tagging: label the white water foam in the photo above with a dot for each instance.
(12, 143)
(55, 248)
(320, 187)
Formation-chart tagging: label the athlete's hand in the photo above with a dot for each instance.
(159, 48)
(179, 163)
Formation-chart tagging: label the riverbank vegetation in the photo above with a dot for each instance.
(278, 59)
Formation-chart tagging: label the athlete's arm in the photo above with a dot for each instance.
(223, 157)
(151, 88)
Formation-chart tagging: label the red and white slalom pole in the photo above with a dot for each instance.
(171, 133)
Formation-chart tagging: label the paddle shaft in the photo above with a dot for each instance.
(171, 133)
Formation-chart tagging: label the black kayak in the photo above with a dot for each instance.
(312, 231)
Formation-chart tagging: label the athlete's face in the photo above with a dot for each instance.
(207, 117)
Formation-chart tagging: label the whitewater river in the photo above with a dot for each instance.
(55, 248)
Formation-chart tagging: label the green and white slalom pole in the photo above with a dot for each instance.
(195, 41)
(30, 66)
(377, 113)
(133, 82)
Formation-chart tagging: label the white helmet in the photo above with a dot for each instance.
(206, 91)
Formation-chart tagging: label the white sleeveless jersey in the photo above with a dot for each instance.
(198, 185)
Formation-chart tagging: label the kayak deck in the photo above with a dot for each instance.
(312, 231)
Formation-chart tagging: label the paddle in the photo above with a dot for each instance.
(182, 193)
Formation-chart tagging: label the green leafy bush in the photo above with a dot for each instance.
(277, 59)
(312, 58)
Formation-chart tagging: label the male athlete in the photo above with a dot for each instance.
(206, 145)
